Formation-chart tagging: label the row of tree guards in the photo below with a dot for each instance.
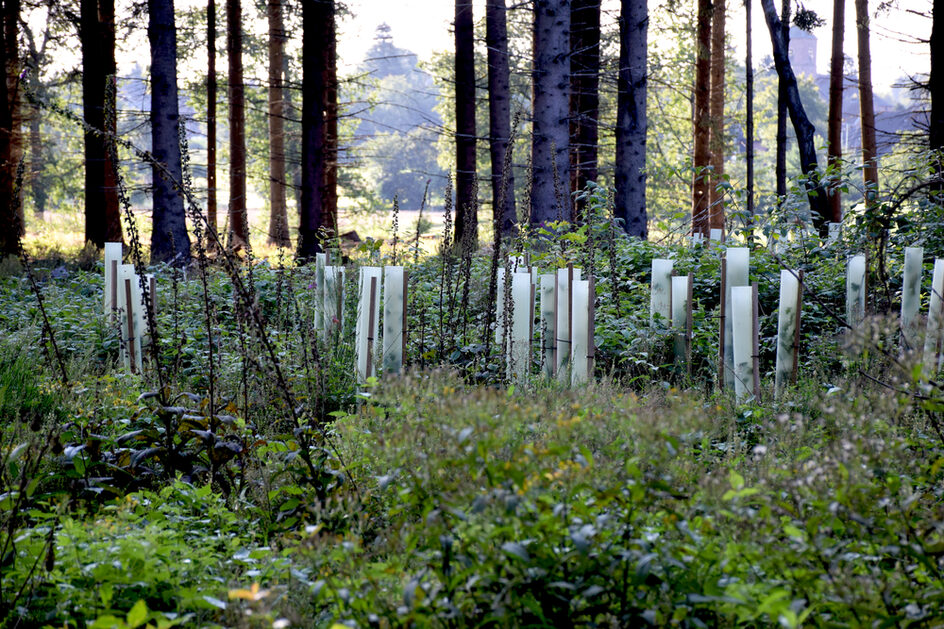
(566, 316)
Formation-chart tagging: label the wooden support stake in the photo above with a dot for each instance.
(689, 325)
(152, 294)
(129, 303)
(114, 285)
(796, 330)
(406, 278)
(755, 355)
(721, 339)
(591, 327)
(370, 326)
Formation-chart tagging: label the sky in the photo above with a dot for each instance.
(424, 26)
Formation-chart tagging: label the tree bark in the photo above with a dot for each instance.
(716, 114)
(584, 95)
(211, 115)
(499, 116)
(749, 107)
(37, 57)
(330, 200)
(780, 170)
(466, 223)
(278, 214)
(169, 239)
(13, 67)
(631, 122)
(10, 227)
(866, 105)
(97, 34)
(801, 123)
(834, 139)
(936, 88)
(314, 58)
(550, 200)
(238, 220)
(701, 216)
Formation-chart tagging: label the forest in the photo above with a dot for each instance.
(594, 316)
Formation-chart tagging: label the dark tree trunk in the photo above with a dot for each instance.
(701, 216)
(780, 169)
(169, 239)
(315, 13)
(11, 19)
(499, 116)
(330, 208)
(278, 214)
(97, 34)
(834, 133)
(466, 218)
(749, 106)
(866, 105)
(550, 200)
(584, 95)
(37, 57)
(630, 175)
(936, 88)
(801, 123)
(10, 226)
(716, 114)
(238, 220)
(211, 115)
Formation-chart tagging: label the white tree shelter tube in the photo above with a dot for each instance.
(737, 265)
(581, 344)
(855, 290)
(911, 291)
(660, 295)
(522, 327)
(129, 321)
(548, 324)
(565, 279)
(681, 304)
(333, 300)
(368, 322)
(787, 316)
(394, 311)
(321, 261)
(742, 313)
(932, 340)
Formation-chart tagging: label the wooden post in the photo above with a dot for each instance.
(371, 322)
(755, 341)
(129, 318)
(591, 326)
(721, 325)
(796, 327)
(112, 260)
(689, 325)
(406, 280)
(152, 294)
(114, 286)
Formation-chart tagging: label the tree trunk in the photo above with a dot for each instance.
(278, 215)
(499, 116)
(716, 115)
(37, 57)
(701, 217)
(801, 123)
(314, 58)
(238, 220)
(780, 170)
(330, 200)
(466, 218)
(749, 107)
(866, 106)
(936, 88)
(102, 215)
(169, 239)
(834, 140)
(630, 172)
(10, 227)
(106, 17)
(584, 95)
(211, 115)
(550, 200)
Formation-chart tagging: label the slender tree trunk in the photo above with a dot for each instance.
(550, 200)
(701, 216)
(801, 123)
(584, 94)
(37, 57)
(238, 219)
(499, 116)
(314, 58)
(169, 239)
(331, 127)
(278, 215)
(106, 17)
(780, 170)
(749, 106)
(631, 123)
(10, 226)
(211, 115)
(866, 105)
(93, 111)
(716, 114)
(936, 88)
(466, 218)
(834, 139)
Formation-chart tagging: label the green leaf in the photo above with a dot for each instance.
(736, 480)
(138, 614)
